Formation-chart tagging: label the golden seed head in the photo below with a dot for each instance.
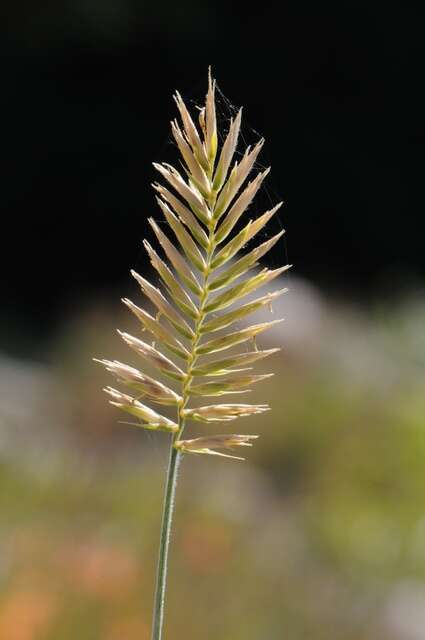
(204, 280)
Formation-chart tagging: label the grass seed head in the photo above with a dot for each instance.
(202, 271)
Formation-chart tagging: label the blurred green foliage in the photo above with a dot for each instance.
(320, 534)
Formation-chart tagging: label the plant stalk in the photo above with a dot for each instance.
(167, 517)
(175, 458)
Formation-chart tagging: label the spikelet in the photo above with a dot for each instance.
(209, 445)
(203, 282)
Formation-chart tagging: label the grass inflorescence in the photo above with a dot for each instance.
(204, 281)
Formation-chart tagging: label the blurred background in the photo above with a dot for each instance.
(321, 533)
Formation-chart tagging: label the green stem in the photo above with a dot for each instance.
(174, 462)
(167, 517)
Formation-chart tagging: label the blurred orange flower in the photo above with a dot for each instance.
(26, 615)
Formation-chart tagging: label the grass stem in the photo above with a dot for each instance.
(164, 544)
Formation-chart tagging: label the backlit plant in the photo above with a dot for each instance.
(204, 279)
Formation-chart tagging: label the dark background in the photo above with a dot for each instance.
(336, 89)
